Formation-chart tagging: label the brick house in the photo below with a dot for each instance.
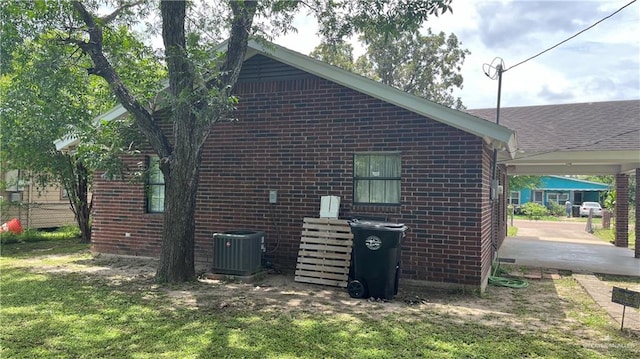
(307, 129)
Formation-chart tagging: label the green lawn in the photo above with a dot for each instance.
(595, 220)
(609, 235)
(32, 235)
(53, 306)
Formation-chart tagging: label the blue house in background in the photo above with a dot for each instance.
(559, 190)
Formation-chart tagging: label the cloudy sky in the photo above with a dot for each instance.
(602, 64)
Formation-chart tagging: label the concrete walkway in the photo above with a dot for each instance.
(601, 293)
(567, 246)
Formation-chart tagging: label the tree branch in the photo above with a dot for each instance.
(243, 13)
(229, 71)
(142, 117)
(108, 18)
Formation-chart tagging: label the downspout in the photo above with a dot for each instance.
(494, 175)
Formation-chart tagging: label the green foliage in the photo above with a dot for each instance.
(7, 208)
(608, 179)
(33, 235)
(48, 94)
(609, 235)
(610, 200)
(534, 210)
(48, 91)
(338, 53)
(556, 209)
(339, 20)
(426, 65)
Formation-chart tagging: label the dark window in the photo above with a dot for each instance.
(537, 196)
(155, 186)
(376, 178)
(514, 198)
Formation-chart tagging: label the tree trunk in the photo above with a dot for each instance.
(179, 160)
(178, 235)
(82, 205)
(75, 180)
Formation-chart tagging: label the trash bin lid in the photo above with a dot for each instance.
(379, 225)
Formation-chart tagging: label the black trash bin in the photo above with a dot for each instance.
(375, 259)
(575, 210)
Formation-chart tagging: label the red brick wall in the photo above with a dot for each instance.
(299, 137)
(622, 210)
(120, 208)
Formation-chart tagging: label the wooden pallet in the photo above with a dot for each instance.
(325, 252)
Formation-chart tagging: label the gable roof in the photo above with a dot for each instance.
(577, 138)
(564, 183)
(496, 136)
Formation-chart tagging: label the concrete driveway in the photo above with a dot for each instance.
(566, 246)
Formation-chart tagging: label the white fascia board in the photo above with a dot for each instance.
(65, 142)
(575, 189)
(113, 114)
(558, 169)
(495, 135)
(577, 157)
(70, 141)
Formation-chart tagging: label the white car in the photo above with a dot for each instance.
(585, 207)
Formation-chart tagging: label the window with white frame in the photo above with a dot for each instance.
(376, 178)
(558, 198)
(155, 186)
(514, 198)
(538, 196)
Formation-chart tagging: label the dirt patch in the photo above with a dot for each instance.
(545, 305)
(279, 292)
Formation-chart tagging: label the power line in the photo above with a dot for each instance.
(569, 38)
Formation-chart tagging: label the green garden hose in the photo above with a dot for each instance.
(506, 282)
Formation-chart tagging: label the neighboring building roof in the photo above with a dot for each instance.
(577, 138)
(567, 183)
(499, 137)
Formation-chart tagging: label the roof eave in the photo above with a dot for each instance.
(496, 136)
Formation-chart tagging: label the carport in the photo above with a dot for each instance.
(566, 246)
(599, 138)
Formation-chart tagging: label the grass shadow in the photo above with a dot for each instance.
(82, 314)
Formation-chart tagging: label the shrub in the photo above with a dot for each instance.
(534, 210)
(33, 235)
(557, 209)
